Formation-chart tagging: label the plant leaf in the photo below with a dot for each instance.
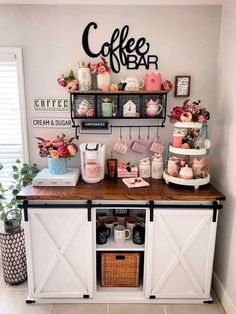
(16, 176)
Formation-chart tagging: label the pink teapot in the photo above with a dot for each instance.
(153, 81)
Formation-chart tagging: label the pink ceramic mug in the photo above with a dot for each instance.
(91, 170)
(156, 147)
(138, 146)
(120, 146)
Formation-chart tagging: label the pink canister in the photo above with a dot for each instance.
(178, 137)
(200, 167)
(153, 81)
(173, 166)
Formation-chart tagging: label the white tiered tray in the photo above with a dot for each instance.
(191, 152)
(187, 182)
(188, 125)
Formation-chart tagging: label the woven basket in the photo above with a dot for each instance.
(120, 269)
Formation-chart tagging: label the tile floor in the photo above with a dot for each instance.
(12, 301)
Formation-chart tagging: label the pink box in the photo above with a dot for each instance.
(123, 173)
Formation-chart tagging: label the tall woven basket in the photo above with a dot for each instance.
(120, 269)
(13, 256)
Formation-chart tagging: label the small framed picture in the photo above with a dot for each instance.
(182, 85)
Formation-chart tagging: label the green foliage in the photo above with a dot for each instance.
(22, 176)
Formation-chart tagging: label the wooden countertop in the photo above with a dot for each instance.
(115, 189)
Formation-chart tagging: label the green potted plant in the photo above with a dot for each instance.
(10, 213)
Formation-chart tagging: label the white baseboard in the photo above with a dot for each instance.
(223, 296)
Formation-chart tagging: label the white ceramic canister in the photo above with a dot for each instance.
(157, 166)
(145, 168)
(84, 77)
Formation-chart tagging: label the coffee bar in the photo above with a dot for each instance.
(144, 229)
(109, 190)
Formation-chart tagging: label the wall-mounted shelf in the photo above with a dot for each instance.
(127, 106)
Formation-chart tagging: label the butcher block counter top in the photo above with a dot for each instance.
(115, 189)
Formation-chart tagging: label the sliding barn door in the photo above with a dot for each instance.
(180, 254)
(59, 253)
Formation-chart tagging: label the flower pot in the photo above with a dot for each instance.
(57, 166)
(10, 227)
(104, 81)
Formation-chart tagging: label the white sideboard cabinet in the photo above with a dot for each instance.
(176, 258)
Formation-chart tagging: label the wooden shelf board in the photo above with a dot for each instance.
(114, 189)
(117, 92)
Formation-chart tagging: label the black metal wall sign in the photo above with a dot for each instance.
(95, 125)
(51, 104)
(121, 50)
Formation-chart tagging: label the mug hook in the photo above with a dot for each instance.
(130, 134)
(121, 133)
(157, 135)
(148, 134)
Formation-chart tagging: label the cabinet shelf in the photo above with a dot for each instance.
(190, 152)
(188, 125)
(187, 182)
(128, 245)
(89, 105)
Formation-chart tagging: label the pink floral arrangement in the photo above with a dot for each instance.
(100, 67)
(58, 147)
(190, 112)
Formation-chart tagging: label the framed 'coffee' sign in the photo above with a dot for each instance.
(121, 50)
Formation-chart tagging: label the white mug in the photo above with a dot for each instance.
(121, 234)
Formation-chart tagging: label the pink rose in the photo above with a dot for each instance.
(102, 69)
(47, 143)
(194, 133)
(167, 86)
(122, 165)
(201, 119)
(186, 117)
(58, 144)
(94, 69)
(73, 149)
(176, 112)
(63, 152)
(193, 109)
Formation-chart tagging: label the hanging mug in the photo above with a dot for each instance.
(157, 147)
(120, 146)
(138, 146)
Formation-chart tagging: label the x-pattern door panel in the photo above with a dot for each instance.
(182, 253)
(61, 252)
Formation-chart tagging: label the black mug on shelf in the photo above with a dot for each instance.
(102, 234)
(139, 234)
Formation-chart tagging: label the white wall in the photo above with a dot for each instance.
(224, 161)
(185, 38)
